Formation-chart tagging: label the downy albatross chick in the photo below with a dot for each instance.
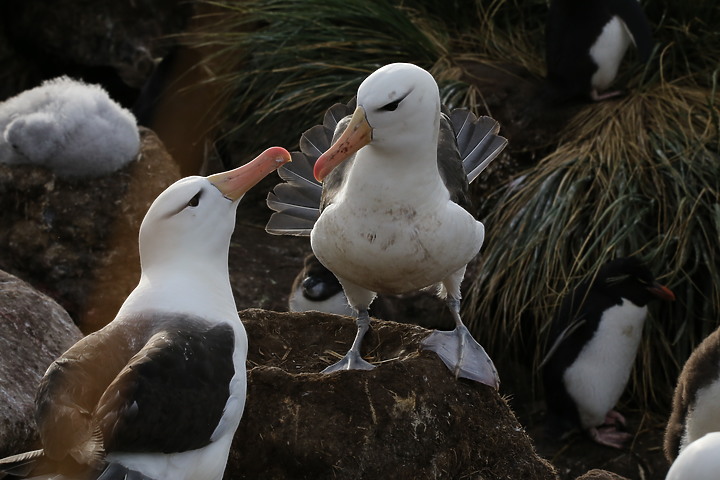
(69, 127)
(394, 210)
(158, 393)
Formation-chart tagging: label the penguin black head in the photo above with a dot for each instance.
(319, 283)
(628, 277)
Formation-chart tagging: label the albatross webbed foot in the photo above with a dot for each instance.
(352, 359)
(459, 350)
(463, 355)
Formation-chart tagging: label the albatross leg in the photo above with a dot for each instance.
(460, 352)
(353, 359)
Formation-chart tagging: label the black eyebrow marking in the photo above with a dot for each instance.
(174, 212)
(392, 106)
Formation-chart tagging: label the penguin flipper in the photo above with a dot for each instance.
(632, 14)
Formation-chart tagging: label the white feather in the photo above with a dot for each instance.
(703, 415)
(699, 461)
(608, 52)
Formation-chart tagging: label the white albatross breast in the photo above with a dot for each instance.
(159, 392)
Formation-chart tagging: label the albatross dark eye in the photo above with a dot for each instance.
(392, 106)
(195, 201)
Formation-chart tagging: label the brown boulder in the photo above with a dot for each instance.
(34, 331)
(76, 240)
(408, 418)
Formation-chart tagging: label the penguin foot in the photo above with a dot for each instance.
(599, 97)
(463, 355)
(351, 361)
(614, 417)
(609, 436)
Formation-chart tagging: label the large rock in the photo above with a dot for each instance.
(34, 331)
(408, 418)
(76, 240)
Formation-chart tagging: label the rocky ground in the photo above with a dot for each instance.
(263, 268)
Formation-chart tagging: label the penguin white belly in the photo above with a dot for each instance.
(607, 52)
(598, 376)
(396, 250)
(704, 415)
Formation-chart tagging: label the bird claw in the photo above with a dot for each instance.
(463, 355)
(614, 417)
(351, 361)
(610, 436)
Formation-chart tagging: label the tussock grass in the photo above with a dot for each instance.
(301, 56)
(638, 176)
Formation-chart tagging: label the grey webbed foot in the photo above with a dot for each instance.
(351, 361)
(463, 355)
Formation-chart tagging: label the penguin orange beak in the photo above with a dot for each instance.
(661, 291)
(235, 183)
(357, 134)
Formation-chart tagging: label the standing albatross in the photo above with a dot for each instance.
(159, 392)
(393, 213)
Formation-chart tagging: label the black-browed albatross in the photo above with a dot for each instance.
(394, 209)
(159, 392)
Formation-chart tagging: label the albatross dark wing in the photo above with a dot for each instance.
(634, 17)
(173, 392)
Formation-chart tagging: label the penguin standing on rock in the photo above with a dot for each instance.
(586, 41)
(595, 337)
(696, 404)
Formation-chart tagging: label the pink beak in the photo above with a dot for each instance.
(234, 183)
(357, 134)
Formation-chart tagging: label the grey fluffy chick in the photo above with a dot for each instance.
(70, 127)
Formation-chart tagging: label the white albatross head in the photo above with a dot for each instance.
(398, 105)
(193, 219)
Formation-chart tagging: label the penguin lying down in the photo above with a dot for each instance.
(595, 337)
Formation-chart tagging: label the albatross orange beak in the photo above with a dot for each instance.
(234, 183)
(357, 134)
